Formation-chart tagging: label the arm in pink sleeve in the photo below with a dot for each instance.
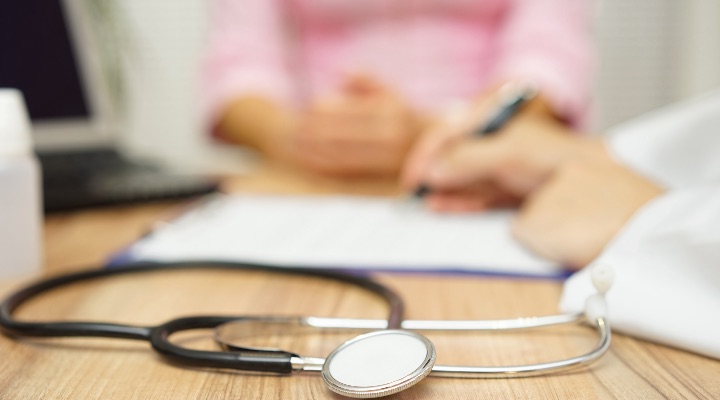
(245, 55)
(550, 42)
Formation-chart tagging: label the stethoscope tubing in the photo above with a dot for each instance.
(275, 361)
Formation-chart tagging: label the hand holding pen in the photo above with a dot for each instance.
(507, 109)
(499, 167)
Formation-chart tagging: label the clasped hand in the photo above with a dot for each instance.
(365, 129)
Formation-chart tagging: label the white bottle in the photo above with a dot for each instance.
(20, 200)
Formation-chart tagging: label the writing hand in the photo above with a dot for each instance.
(501, 170)
(580, 209)
(456, 123)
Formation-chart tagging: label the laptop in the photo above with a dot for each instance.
(48, 56)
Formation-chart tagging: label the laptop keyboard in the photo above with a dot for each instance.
(101, 177)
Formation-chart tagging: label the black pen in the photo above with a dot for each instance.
(498, 119)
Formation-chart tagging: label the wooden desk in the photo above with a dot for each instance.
(114, 369)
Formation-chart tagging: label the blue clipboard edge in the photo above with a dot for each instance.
(125, 257)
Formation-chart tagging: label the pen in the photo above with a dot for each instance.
(502, 115)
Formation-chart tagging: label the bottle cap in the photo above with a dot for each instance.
(15, 137)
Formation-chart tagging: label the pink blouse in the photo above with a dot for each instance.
(432, 52)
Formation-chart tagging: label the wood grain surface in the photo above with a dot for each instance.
(80, 368)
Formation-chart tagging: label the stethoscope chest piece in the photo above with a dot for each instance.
(379, 363)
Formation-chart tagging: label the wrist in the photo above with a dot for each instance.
(257, 123)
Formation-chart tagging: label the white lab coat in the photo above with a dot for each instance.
(667, 258)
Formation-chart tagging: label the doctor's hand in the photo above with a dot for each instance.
(580, 209)
(471, 174)
(365, 130)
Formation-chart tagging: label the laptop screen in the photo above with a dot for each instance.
(38, 58)
(46, 54)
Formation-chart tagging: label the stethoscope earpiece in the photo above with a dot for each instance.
(602, 277)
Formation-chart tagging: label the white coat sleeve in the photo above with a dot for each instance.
(676, 146)
(667, 258)
(667, 273)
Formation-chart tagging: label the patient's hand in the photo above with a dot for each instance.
(580, 209)
(366, 130)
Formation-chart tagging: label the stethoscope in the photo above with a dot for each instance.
(374, 364)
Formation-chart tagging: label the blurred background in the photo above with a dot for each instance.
(146, 56)
(652, 53)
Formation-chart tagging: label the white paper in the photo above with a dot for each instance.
(342, 232)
